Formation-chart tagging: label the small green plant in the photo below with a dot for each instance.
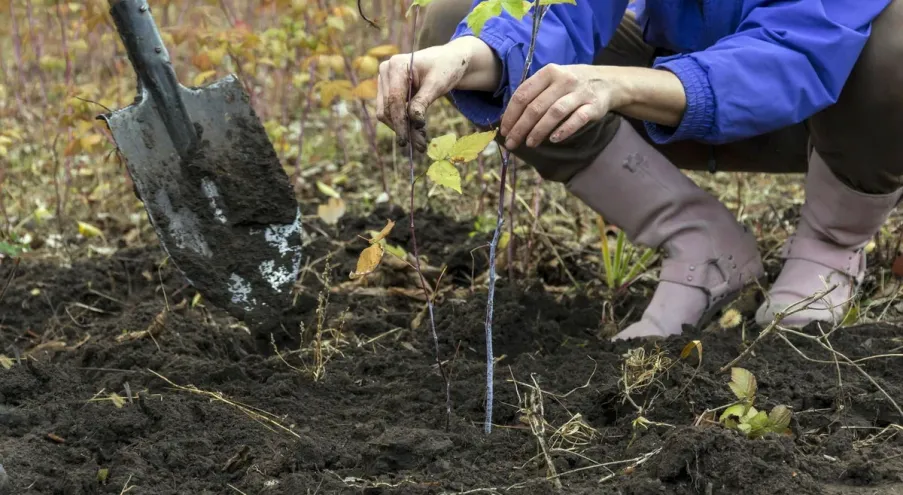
(627, 262)
(745, 418)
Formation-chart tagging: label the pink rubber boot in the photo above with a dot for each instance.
(836, 222)
(709, 256)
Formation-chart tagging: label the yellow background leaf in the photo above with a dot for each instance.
(366, 90)
(331, 211)
(366, 66)
(202, 77)
(323, 188)
(91, 140)
(445, 174)
(383, 51)
(503, 239)
(329, 90)
(88, 230)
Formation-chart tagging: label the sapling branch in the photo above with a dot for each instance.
(490, 360)
(793, 308)
(423, 283)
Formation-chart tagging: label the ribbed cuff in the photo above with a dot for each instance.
(699, 116)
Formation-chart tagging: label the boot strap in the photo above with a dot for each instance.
(695, 275)
(851, 263)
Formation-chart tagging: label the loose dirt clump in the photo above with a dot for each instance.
(120, 380)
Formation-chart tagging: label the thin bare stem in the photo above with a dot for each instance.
(423, 284)
(793, 308)
(511, 211)
(844, 359)
(490, 360)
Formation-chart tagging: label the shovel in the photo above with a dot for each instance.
(211, 183)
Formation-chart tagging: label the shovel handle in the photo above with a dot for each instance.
(152, 64)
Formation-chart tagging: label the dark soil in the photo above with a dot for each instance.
(375, 423)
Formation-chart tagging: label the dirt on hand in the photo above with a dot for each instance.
(257, 423)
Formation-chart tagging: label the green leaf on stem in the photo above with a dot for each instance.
(470, 146)
(480, 14)
(442, 172)
(441, 147)
(517, 8)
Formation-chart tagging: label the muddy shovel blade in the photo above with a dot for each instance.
(210, 180)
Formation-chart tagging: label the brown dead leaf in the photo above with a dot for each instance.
(368, 261)
(384, 232)
(897, 268)
(416, 294)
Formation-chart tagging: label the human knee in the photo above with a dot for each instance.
(440, 19)
(878, 75)
(858, 137)
(560, 162)
(869, 179)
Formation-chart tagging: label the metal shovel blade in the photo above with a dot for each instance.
(210, 180)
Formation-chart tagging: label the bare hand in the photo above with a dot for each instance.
(559, 98)
(465, 63)
(436, 71)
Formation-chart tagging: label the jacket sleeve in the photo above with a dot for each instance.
(569, 34)
(785, 62)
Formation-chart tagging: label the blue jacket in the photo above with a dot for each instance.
(748, 66)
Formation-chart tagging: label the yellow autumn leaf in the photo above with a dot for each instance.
(216, 56)
(331, 211)
(440, 147)
(445, 174)
(88, 230)
(328, 191)
(202, 77)
(383, 51)
(366, 66)
(504, 239)
(390, 224)
(330, 90)
(5, 361)
(336, 23)
(367, 89)
(368, 261)
(89, 141)
(336, 63)
(693, 344)
(468, 147)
